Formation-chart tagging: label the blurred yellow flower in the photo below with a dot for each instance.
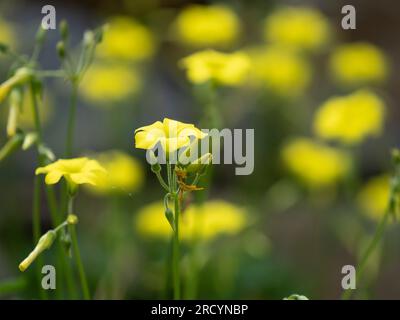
(203, 222)
(109, 82)
(298, 27)
(7, 34)
(281, 70)
(230, 69)
(350, 118)
(171, 134)
(126, 39)
(315, 164)
(374, 195)
(124, 173)
(358, 63)
(205, 26)
(75, 171)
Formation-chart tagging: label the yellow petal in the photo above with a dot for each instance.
(53, 177)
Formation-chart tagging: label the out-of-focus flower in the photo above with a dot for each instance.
(75, 171)
(314, 163)
(205, 26)
(352, 118)
(109, 82)
(358, 63)
(224, 68)
(298, 27)
(124, 173)
(374, 195)
(281, 70)
(203, 222)
(7, 34)
(126, 39)
(171, 134)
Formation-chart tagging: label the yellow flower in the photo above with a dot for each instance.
(374, 195)
(171, 134)
(316, 164)
(358, 63)
(125, 173)
(126, 39)
(350, 118)
(75, 171)
(204, 222)
(109, 82)
(298, 27)
(281, 70)
(7, 34)
(205, 26)
(209, 65)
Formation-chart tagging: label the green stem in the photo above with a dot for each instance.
(71, 121)
(370, 249)
(77, 254)
(176, 250)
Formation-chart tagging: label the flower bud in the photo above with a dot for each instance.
(170, 217)
(40, 35)
(11, 146)
(72, 219)
(29, 140)
(64, 29)
(20, 76)
(44, 243)
(15, 107)
(296, 297)
(88, 38)
(155, 166)
(61, 49)
(45, 151)
(199, 166)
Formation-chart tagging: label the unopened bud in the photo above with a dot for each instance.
(64, 29)
(29, 140)
(200, 165)
(15, 107)
(13, 144)
(61, 49)
(44, 243)
(72, 219)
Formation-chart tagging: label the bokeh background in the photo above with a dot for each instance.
(314, 199)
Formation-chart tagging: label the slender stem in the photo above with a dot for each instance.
(176, 251)
(370, 249)
(71, 120)
(77, 254)
(162, 182)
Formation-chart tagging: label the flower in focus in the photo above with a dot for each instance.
(204, 26)
(374, 195)
(171, 134)
(126, 39)
(350, 118)
(107, 83)
(204, 222)
(315, 164)
(124, 173)
(281, 70)
(358, 63)
(7, 34)
(75, 171)
(209, 65)
(297, 27)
